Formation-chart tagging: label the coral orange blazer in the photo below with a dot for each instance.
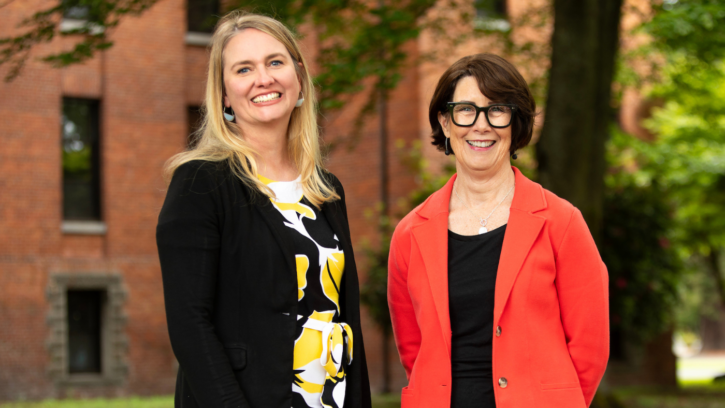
(550, 319)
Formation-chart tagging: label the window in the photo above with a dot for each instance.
(86, 345)
(201, 15)
(75, 10)
(84, 330)
(81, 15)
(194, 118)
(491, 15)
(81, 160)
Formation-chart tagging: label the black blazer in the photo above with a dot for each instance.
(230, 289)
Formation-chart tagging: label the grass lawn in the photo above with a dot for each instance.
(379, 401)
(149, 402)
(692, 394)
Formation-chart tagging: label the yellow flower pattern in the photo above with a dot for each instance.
(323, 347)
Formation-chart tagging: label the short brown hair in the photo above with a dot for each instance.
(500, 82)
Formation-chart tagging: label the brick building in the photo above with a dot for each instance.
(82, 151)
(81, 304)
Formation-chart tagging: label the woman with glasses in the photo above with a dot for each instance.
(497, 293)
(260, 285)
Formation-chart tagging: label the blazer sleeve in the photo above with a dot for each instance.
(582, 287)
(402, 312)
(188, 240)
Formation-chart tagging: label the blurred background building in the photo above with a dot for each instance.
(81, 302)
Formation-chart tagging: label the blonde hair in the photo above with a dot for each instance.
(221, 140)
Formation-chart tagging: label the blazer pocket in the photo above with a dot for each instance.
(237, 354)
(559, 386)
(407, 398)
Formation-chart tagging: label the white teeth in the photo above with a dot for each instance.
(476, 143)
(265, 98)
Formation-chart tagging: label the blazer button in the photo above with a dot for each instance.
(502, 382)
(498, 331)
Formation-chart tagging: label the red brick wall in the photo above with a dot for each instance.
(141, 85)
(144, 82)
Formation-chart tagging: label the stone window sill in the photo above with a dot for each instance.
(81, 380)
(71, 24)
(84, 228)
(199, 39)
(492, 24)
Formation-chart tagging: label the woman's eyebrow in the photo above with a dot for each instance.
(275, 55)
(267, 58)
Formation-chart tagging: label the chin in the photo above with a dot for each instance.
(272, 117)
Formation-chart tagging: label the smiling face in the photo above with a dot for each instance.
(479, 148)
(260, 80)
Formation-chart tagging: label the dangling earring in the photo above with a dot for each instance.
(228, 116)
(514, 156)
(300, 100)
(448, 152)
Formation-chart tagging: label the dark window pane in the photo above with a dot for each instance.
(84, 331)
(81, 173)
(202, 15)
(491, 9)
(194, 118)
(75, 9)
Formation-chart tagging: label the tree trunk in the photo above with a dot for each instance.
(716, 271)
(578, 111)
(712, 329)
(659, 365)
(386, 360)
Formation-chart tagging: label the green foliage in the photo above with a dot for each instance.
(374, 290)
(644, 268)
(77, 162)
(685, 163)
(692, 27)
(98, 17)
(689, 159)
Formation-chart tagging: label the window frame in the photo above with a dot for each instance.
(484, 22)
(114, 343)
(93, 226)
(196, 37)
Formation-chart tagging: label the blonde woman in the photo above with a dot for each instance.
(262, 295)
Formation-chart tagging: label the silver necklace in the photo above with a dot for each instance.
(482, 221)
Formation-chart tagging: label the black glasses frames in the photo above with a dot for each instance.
(465, 114)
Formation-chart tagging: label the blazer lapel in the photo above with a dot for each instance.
(276, 223)
(334, 214)
(521, 232)
(432, 239)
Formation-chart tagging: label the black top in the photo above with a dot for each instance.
(472, 265)
(230, 289)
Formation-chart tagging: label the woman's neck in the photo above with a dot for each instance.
(480, 189)
(273, 158)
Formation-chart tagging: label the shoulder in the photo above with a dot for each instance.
(201, 168)
(201, 174)
(333, 182)
(402, 235)
(558, 209)
(409, 221)
(563, 219)
(330, 178)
